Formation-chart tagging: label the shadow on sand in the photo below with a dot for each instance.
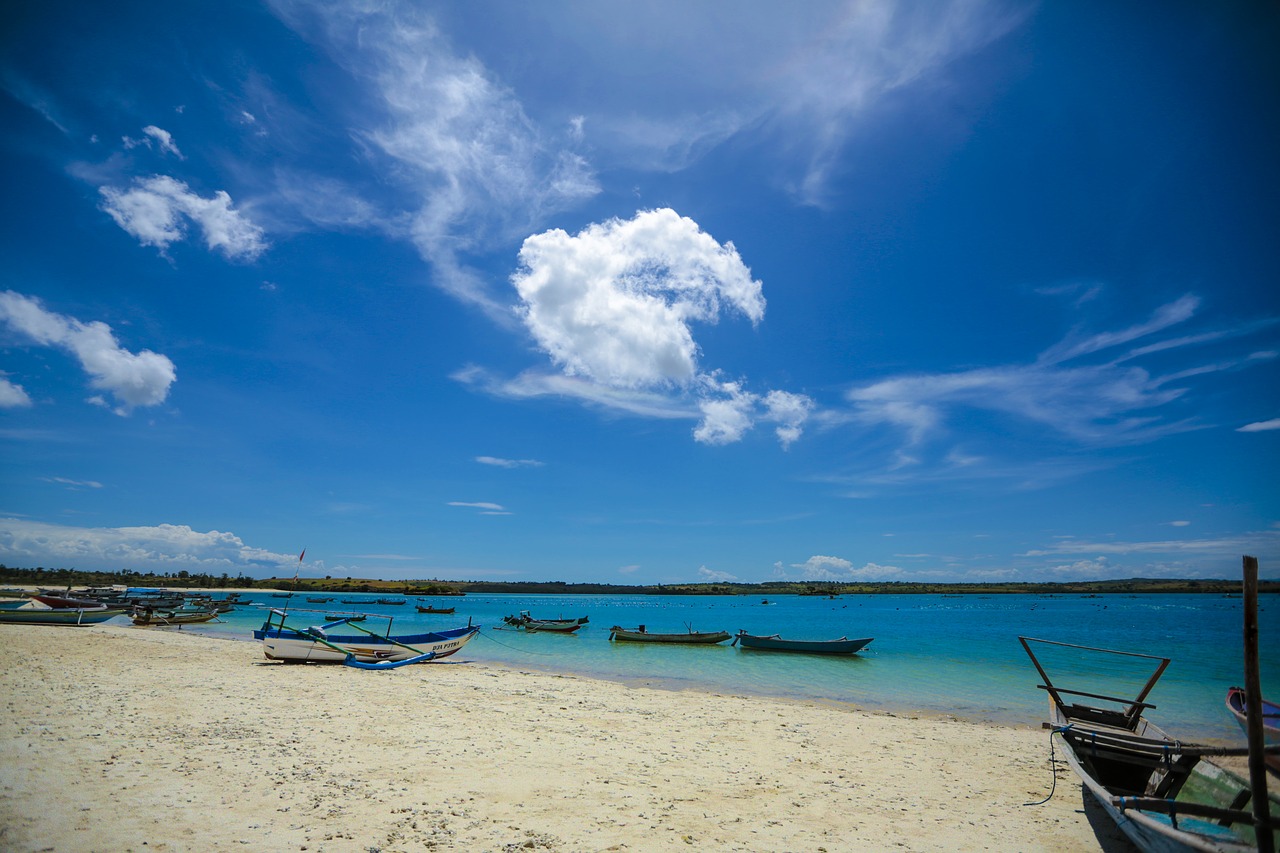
(1110, 838)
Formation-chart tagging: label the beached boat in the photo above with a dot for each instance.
(641, 635)
(429, 609)
(1270, 715)
(1164, 794)
(28, 613)
(59, 602)
(162, 618)
(365, 650)
(775, 643)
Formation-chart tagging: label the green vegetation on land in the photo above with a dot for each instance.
(53, 578)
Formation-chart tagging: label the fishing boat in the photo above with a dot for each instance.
(27, 613)
(364, 650)
(429, 609)
(392, 601)
(1270, 715)
(524, 618)
(350, 617)
(641, 635)
(775, 643)
(320, 600)
(1164, 794)
(163, 618)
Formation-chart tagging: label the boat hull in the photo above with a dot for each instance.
(689, 637)
(842, 646)
(289, 645)
(60, 616)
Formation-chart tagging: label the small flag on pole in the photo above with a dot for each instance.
(303, 554)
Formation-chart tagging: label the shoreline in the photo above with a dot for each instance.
(114, 737)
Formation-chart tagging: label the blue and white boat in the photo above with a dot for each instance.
(365, 650)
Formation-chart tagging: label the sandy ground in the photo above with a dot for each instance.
(117, 738)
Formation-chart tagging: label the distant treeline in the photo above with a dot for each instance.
(71, 577)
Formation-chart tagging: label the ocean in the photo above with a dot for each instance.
(932, 654)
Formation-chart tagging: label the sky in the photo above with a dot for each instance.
(641, 293)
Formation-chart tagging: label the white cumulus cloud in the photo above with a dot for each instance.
(615, 302)
(134, 379)
(615, 306)
(160, 548)
(157, 210)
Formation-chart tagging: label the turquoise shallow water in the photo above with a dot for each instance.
(933, 654)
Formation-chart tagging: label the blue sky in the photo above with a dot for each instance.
(642, 294)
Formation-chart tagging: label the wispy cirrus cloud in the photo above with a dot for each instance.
(73, 484)
(485, 507)
(470, 165)
(134, 379)
(1091, 402)
(1261, 426)
(499, 462)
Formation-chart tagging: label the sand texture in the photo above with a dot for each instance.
(118, 739)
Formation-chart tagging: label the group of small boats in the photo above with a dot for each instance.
(95, 606)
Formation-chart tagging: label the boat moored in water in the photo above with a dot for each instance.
(690, 636)
(775, 643)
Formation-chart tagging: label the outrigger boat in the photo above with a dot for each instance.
(430, 609)
(641, 635)
(775, 643)
(1164, 794)
(27, 613)
(366, 650)
(162, 618)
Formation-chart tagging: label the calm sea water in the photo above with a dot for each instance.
(955, 655)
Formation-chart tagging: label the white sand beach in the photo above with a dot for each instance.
(118, 738)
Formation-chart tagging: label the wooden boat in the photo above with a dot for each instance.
(364, 650)
(430, 609)
(320, 600)
(1270, 714)
(556, 627)
(162, 618)
(640, 635)
(524, 618)
(58, 602)
(25, 613)
(775, 643)
(350, 617)
(1164, 794)
(392, 601)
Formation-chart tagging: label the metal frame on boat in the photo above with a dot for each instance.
(1161, 792)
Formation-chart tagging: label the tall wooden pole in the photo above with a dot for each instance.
(1253, 710)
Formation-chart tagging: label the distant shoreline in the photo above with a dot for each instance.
(62, 578)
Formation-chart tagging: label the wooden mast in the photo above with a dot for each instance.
(1253, 709)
